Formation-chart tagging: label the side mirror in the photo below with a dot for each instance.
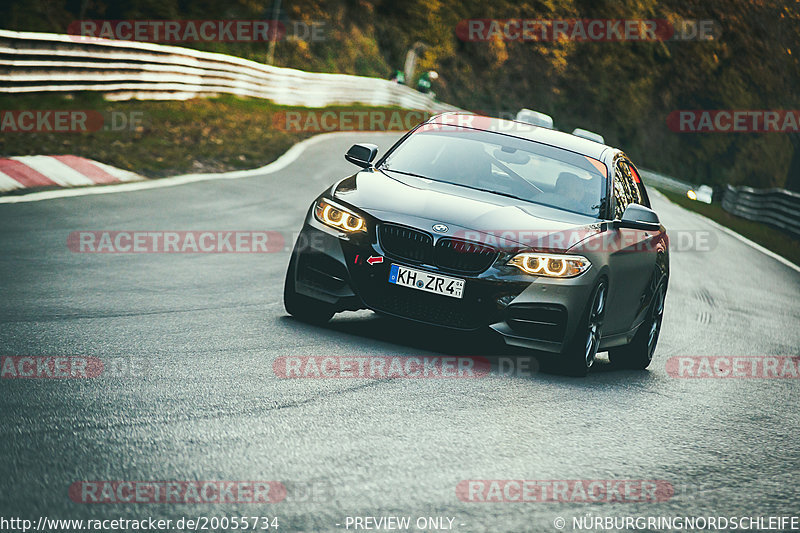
(361, 154)
(639, 217)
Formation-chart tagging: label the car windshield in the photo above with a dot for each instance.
(502, 164)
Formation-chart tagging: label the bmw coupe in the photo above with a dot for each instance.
(470, 222)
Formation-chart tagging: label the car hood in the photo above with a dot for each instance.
(468, 213)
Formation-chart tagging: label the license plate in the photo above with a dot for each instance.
(425, 281)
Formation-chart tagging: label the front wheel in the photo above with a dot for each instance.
(580, 353)
(300, 306)
(638, 354)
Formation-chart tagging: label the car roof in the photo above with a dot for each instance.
(523, 130)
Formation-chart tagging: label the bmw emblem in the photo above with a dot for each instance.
(440, 228)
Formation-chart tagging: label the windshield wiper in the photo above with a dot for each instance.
(499, 193)
(518, 198)
(456, 184)
(384, 167)
(507, 195)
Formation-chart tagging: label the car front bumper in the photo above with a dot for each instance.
(527, 311)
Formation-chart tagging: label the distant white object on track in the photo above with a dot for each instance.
(728, 231)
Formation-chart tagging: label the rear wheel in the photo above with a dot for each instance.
(580, 353)
(638, 354)
(300, 306)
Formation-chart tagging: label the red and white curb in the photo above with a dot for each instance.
(30, 171)
(282, 162)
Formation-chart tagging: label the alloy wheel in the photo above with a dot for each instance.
(595, 324)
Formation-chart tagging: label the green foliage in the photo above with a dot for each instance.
(166, 138)
(623, 90)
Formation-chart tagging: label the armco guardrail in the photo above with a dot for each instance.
(776, 207)
(44, 62)
(664, 182)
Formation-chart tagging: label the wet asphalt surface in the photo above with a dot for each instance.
(194, 336)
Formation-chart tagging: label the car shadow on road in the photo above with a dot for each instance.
(505, 360)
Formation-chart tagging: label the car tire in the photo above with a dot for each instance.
(579, 355)
(638, 354)
(300, 306)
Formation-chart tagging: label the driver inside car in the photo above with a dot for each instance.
(569, 193)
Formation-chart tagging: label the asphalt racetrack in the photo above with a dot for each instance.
(193, 339)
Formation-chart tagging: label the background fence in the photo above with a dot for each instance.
(661, 181)
(43, 62)
(776, 207)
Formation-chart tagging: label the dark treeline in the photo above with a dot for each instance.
(623, 90)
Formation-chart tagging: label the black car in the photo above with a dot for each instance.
(467, 222)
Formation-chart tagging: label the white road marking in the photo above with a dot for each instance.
(753, 244)
(289, 157)
(55, 170)
(282, 162)
(735, 235)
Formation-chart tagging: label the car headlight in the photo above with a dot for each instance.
(551, 265)
(339, 218)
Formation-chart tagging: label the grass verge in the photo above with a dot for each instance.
(767, 236)
(165, 138)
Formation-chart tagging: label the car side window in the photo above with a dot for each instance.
(626, 190)
(644, 199)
